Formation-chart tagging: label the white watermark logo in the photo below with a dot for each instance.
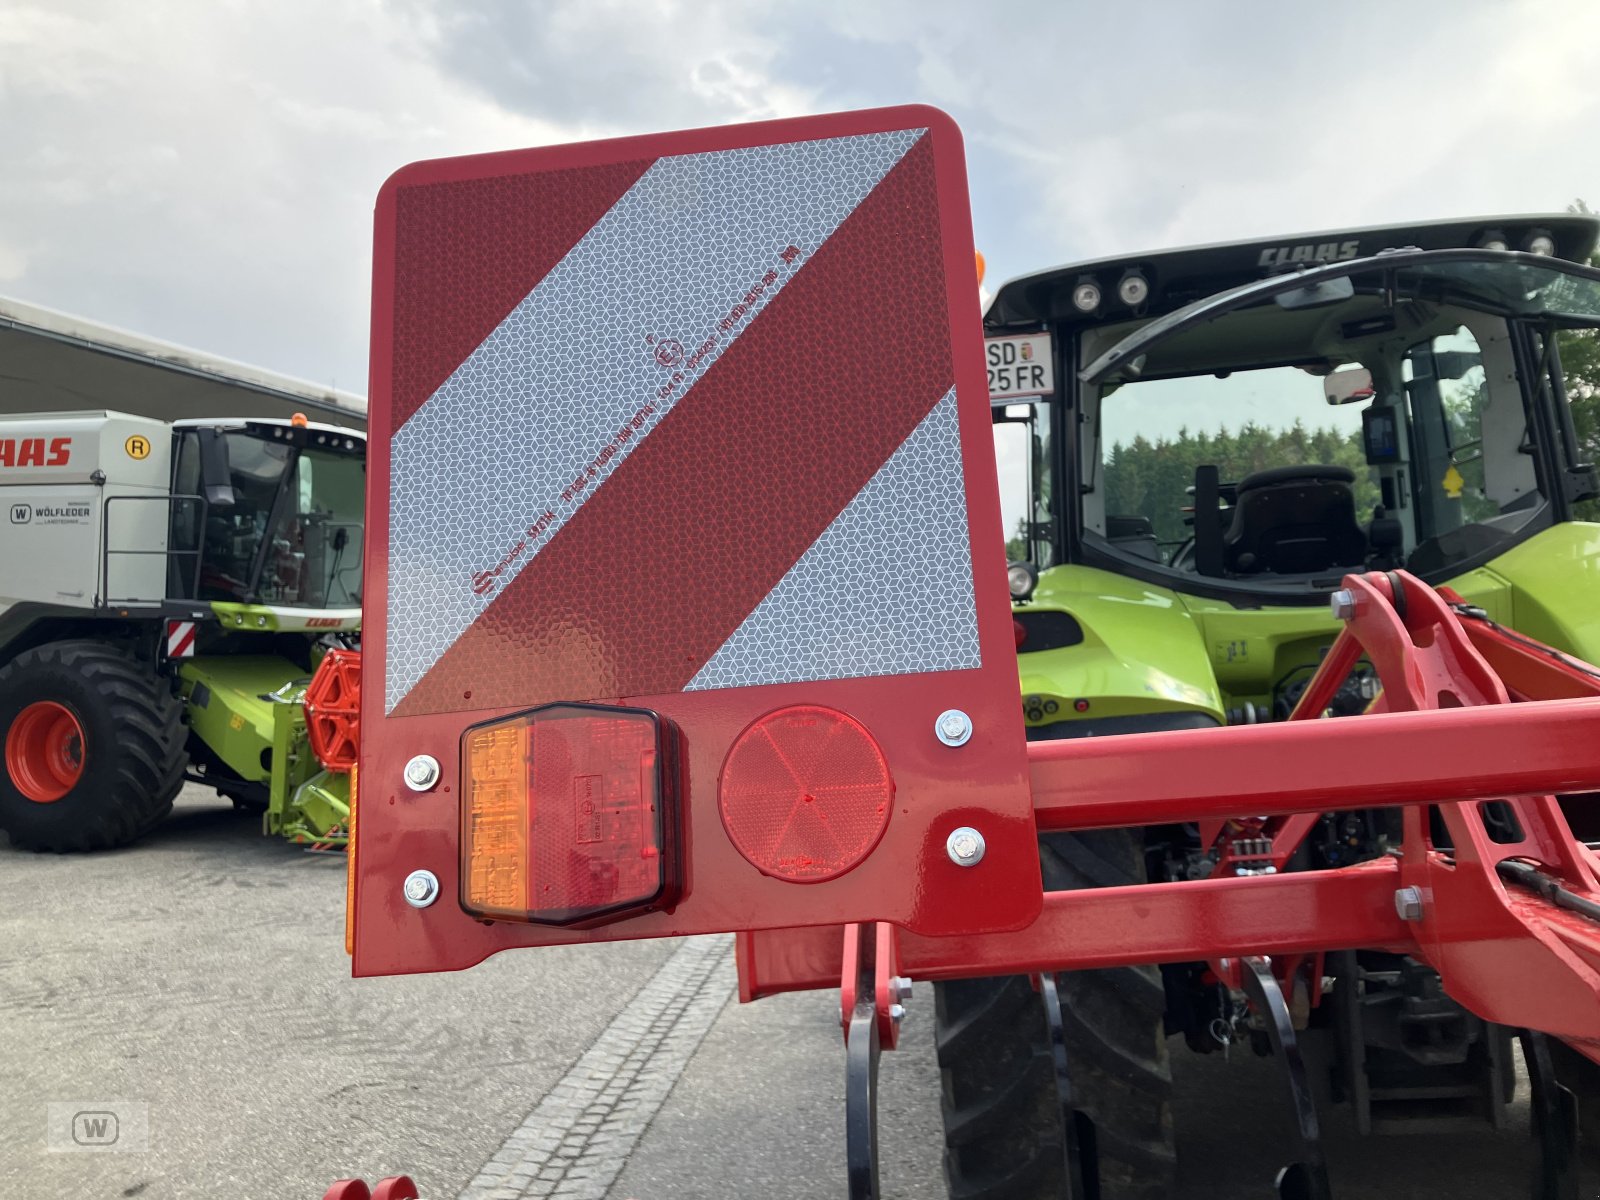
(97, 1126)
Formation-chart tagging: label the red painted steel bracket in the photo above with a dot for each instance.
(1447, 737)
(890, 989)
(772, 329)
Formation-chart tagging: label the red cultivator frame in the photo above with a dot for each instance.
(646, 416)
(1512, 926)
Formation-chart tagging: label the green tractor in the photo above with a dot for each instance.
(1195, 446)
(168, 590)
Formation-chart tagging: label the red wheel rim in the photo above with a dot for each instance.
(44, 751)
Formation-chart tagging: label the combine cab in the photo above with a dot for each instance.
(181, 583)
(689, 616)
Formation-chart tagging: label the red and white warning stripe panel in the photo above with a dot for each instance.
(657, 472)
(180, 639)
(886, 589)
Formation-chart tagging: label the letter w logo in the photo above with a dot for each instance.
(94, 1128)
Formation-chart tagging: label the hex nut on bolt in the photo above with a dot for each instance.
(422, 772)
(1408, 903)
(1343, 604)
(953, 728)
(900, 987)
(421, 888)
(965, 846)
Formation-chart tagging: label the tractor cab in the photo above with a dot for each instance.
(267, 512)
(1251, 422)
(1196, 446)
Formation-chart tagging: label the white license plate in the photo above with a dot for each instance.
(1020, 365)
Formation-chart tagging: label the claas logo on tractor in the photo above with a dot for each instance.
(648, 427)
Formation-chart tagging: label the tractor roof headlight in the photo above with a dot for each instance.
(1133, 289)
(1086, 296)
(1022, 578)
(1539, 241)
(1493, 239)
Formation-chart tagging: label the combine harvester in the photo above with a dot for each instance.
(177, 562)
(685, 574)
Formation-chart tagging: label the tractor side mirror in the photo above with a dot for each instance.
(1349, 386)
(216, 477)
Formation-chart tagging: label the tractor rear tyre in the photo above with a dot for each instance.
(1002, 1119)
(94, 747)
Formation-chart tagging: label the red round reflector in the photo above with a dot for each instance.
(805, 793)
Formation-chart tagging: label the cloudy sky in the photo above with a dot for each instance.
(203, 170)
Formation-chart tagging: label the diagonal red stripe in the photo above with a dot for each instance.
(672, 553)
(469, 251)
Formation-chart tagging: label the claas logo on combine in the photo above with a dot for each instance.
(35, 452)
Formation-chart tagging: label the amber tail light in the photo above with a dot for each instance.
(569, 815)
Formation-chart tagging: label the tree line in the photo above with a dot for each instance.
(1149, 477)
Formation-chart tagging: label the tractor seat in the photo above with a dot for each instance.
(1294, 521)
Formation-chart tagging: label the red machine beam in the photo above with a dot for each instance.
(1430, 757)
(1529, 670)
(1108, 927)
(1449, 739)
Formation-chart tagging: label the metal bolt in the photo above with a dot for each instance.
(1408, 903)
(953, 727)
(965, 846)
(900, 987)
(422, 772)
(897, 1012)
(421, 888)
(1343, 604)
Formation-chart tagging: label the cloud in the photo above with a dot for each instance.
(206, 173)
(615, 66)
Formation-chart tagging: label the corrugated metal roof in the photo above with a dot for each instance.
(52, 361)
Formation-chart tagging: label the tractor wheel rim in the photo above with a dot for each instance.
(44, 751)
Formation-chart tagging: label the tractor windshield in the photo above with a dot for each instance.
(1277, 437)
(292, 534)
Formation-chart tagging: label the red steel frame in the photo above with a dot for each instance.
(1444, 733)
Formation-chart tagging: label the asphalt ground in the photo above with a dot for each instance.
(201, 974)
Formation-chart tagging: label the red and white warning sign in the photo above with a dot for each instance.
(695, 423)
(180, 639)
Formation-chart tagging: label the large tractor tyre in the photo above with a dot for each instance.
(94, 747)
(1002, 1126)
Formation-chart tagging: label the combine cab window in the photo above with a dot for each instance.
(234, 534)
(292, 535)
(314, 558)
